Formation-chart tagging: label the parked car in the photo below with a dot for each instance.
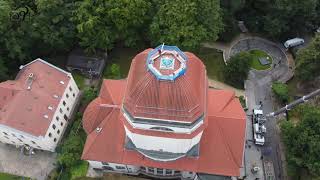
(293, 42)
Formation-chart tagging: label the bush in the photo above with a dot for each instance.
(112, 72)
(88, 95)
(243, 102)
(281, 91)
(71, 149)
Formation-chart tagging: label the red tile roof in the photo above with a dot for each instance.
(180, 100)
(222, 142)
(24, 109)
(221, 145)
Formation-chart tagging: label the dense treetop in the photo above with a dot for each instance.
(308, 60)
(42, 28)
(302, 140)
(237, 69)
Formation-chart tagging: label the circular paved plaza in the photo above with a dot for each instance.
(253, 43)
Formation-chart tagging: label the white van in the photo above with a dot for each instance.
(293, 42)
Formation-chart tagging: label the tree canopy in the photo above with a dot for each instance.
(302, 140)
(281, 18)
(308, 60)
(101, 23)
(71, 148)
(237, 69)
(3, 70)
(187, 23)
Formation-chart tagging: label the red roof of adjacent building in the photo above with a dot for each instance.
(180, 100)
(27, 109)
(222, 141)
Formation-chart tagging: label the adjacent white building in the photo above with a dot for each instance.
(35, 108)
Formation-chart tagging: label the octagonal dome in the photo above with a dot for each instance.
(166, 84)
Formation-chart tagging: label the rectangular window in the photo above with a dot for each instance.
(107, 168)
(67, 95)
(4, 133)
(159, 171)
(105, 163)
(61, 110)
(53, 126)
(64, 103)
(168, 171)
(70, 88)
(150, 170)
(120, 167)
(65, 117)
(74, 95)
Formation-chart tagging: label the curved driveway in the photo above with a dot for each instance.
(258, 88)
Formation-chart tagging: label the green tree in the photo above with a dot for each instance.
(308, 60)
(88, 95)
(302, 141)
(187, 23)
(101, 23)
(15, 41)
(113, 72)
(281, 91)
(72, 147)
(52, 26)
(3, 70)
(237, 69)
(280, 18)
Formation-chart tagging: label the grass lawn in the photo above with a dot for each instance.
(122, 57)
(4, 176)
(213, 60)
(255, 63)
(210, 57)
(79, 78)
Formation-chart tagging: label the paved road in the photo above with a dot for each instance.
(258, 88)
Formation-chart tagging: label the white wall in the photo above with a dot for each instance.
(135, 170)
(20, 138)
(188, 175)
(161, 143)
(59, 121)
(15, 137)
(119, 168)
(175, 129)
